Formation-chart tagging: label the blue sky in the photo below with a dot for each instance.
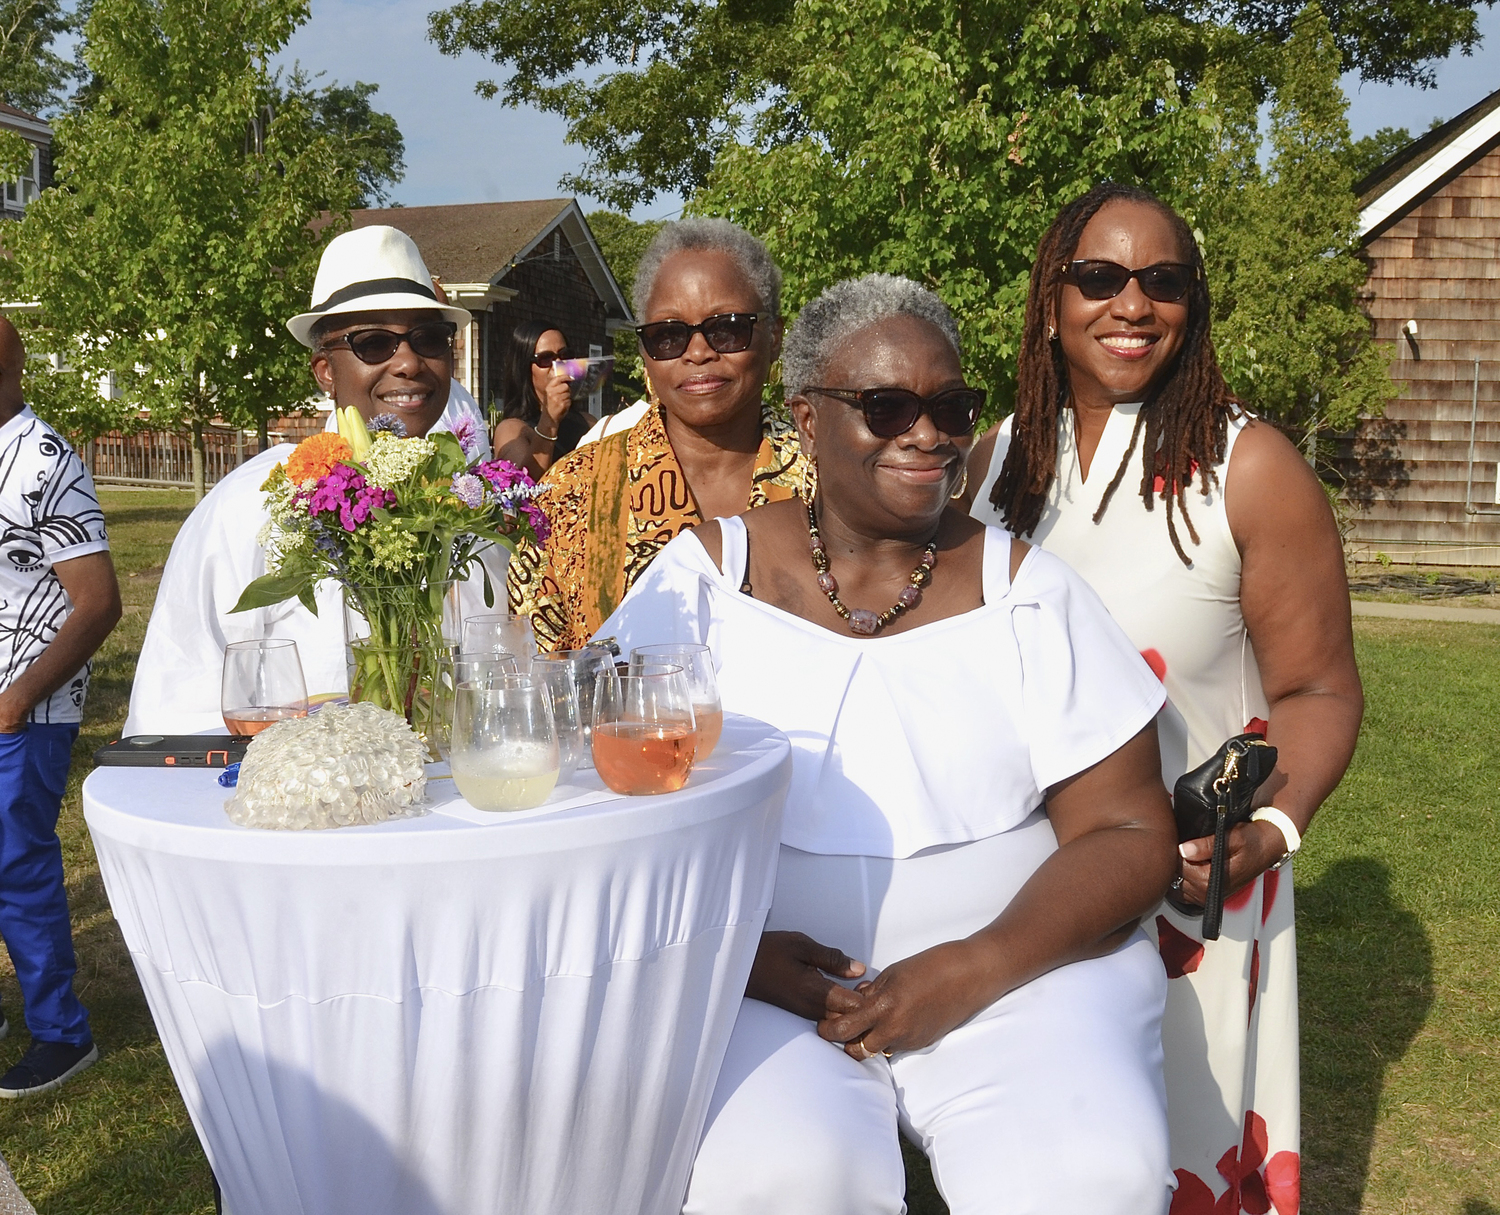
(461, 148)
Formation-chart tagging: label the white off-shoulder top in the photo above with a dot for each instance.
(943, 734)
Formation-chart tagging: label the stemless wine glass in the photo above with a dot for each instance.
(644, 732)
(262, 685)
(504, 746)
(697, 663)
(586, 666)
(456, 669)
(500, 634)
(562, 685)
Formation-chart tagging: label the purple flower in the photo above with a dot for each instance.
(468, 439)
(345, 493)
(469, 489)
(388, 422)
(503, 475)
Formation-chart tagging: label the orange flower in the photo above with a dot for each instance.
(315, 457)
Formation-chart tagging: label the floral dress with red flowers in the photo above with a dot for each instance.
(1230, 1030)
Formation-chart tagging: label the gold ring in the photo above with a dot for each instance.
(886, 1053)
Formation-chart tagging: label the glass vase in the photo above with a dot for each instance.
(400, 640)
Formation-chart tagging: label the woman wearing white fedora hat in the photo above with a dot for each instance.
(382, 342)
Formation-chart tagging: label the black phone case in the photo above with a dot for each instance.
(172, 751)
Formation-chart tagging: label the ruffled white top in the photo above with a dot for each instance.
(943, 734)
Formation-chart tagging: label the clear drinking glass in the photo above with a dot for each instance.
(262, 685)
(644, 732)
(586, 666)
(561, 685)
(500, 634)
(456, 669)
(504, 745)
(697, 663)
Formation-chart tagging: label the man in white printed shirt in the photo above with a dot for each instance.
(58, 602)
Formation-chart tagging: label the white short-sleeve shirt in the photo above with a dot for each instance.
(50, 513)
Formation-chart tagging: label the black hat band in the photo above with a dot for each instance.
(376, 286)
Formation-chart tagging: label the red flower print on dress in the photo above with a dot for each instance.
(1254, 976)
(1180, 954)
(1271, 880)
(1256, 1185)
(1159, 483)
(1257, 725)
(1156, 662)
(1240, 897)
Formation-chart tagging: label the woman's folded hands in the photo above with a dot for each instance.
(910, 1005)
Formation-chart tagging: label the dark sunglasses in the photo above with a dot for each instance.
(726, 333)
(1165, 282)
(893, 411)
(547, 357)
(376, 346)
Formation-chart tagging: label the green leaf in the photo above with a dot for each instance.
(271, 589)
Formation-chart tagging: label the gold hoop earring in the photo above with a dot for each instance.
(1051, 333)
(963, 484)
(651, 398)
(809, 488)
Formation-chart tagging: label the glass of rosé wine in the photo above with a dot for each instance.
(262, 685)
(697, 663)
(645, 735)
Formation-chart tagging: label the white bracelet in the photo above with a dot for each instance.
(1283, 823)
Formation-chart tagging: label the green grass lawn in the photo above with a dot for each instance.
(1399, 934)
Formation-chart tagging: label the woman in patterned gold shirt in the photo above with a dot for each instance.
(709, 298)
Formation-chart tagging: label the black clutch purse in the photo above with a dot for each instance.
(1211, 799)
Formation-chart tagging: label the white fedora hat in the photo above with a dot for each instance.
(374, 269)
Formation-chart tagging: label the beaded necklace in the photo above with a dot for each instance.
(862, 621)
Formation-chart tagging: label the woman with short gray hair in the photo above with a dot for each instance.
(975, 825)
(709, 299)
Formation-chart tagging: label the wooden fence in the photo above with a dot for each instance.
(156, 457)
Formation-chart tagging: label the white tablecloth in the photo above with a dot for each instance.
(459, 1014)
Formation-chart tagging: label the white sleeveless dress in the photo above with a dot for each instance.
(1230, 1031)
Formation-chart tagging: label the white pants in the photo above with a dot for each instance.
(1049, 1101)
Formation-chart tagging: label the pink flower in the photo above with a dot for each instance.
(345, 492)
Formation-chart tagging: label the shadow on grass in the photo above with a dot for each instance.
(1478, 1206)
(1365, 983)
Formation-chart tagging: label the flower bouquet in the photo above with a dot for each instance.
(395, 521)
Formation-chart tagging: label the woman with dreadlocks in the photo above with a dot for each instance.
(1212, 543)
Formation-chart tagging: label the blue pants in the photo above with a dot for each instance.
(33, 901)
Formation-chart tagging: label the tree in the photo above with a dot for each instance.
(32, 75)
(940, 147)
(1368, 154)
(178, 238)
(344, 113)
(622, 240)
(654, 90)
(1281, 245)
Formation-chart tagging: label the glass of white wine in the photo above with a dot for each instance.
(697, 663)
(262, 685)
(504, 752)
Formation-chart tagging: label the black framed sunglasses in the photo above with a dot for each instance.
(433, 340)
(1164, 282)
(890, 412)
(546, 358)
(725, 332)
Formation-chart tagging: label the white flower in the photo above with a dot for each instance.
(392, 461)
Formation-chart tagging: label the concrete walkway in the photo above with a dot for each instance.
(1424, 611)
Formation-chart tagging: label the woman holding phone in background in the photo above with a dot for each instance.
(540, 423)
